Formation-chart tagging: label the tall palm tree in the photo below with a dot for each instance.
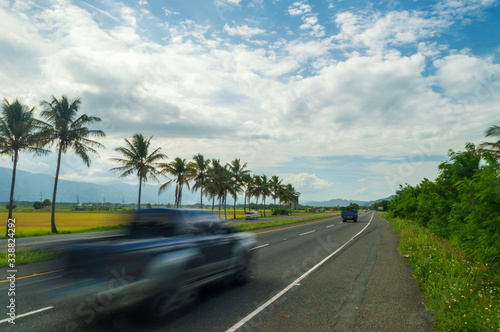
(20, 131)
(290, 196)
(200, 166)
(180, 169)
(265, 190)
(257, 189)
(219, 184)
(237, 171)
(69, 132)
(275, 185)
(248, 184)
(213, 183)
(137, 159)
(493, 148)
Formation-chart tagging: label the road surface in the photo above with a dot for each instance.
(322, 275)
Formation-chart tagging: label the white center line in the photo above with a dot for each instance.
(262, 246)
(307, 233)
(27, 314)
(330, 226)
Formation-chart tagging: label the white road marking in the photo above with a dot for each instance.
(286, 289)
(307, 233)
(27, 314)
(262, 246)
(330, 226)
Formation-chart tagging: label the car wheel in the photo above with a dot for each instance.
(344, 220)
(244, 272)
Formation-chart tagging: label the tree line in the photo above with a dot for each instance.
(63, 128)
(210, 177)
(463, 202)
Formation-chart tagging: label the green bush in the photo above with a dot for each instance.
(280, 211)
(463, 203)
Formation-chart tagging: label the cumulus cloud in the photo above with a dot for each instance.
(243, 30)
(299, 8)
(305, 181)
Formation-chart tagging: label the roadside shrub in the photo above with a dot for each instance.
(280, 211)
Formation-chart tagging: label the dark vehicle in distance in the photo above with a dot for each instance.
(160, 263)
(349, 213)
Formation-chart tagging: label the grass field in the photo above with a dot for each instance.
(38, 223)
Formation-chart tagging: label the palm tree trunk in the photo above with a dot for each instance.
(11, 200)
(225, 205)
(234, 209)
(245, 202)
(213, 202)
(180, 195)
(264, 206)
(220, 198)
(201, 196)
(53, 212)
(140, 189)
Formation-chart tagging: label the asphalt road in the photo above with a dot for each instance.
(321, 275)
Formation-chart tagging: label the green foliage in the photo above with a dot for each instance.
(462, 203)
(383, 204)
(462, 292)
(37, 205)
(8, 206)
(280, 211)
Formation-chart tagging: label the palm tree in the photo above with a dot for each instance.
(290, 196)
(238, 171)
(493, 148)
(275, 185)
(20, 131)
(200, 167)
(213, 183)
(248, 184)
(182, 172)
(265, 190)
(257, 189)
(137, 159)
(69, 132)
(219, 184)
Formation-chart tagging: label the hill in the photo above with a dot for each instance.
(344, 202)
(31, 186)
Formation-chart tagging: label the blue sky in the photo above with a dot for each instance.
(343, 99)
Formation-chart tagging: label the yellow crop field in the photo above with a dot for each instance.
(38, 223)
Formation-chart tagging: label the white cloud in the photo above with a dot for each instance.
(305, 181)
(227, 2)
(243, 31)
(299, 8)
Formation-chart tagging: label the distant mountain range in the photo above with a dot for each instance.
(31, 187)
(344, 202)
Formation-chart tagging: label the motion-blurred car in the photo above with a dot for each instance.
(160, 264)
(251, 215)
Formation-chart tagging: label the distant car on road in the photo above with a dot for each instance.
(349, 213)
(251, 215)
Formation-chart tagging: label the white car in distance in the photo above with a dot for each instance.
(251, 215)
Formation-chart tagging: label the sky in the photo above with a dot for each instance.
(342, 99)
